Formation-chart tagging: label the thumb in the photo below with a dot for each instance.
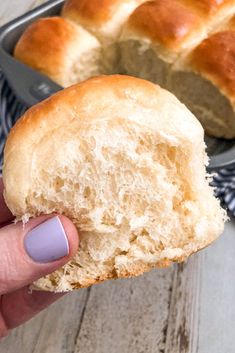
(34, 250)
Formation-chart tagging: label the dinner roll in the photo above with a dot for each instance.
(159, 32)
(213, 12)
(207, 84)
(103, 18)
(155, 35)
(125, 161)
(59, 49)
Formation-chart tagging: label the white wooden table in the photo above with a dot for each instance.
(184, 309)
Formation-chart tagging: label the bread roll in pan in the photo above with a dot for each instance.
(31, 87)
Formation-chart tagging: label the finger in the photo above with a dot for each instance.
(22, 305)
(30, 252)
(5, 214)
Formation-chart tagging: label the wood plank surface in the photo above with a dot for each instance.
(188, 308)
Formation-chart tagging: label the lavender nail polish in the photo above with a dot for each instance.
(47, 242)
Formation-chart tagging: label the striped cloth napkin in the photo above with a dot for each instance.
(11, 110)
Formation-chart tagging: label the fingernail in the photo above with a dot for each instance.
(47, 242)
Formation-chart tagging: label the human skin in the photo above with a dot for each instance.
(23, 261)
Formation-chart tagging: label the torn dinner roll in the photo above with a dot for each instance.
(125, 161)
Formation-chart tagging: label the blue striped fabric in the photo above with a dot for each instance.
(224, 184)
(11, 110)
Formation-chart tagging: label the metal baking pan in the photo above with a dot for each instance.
(28, 85)
(31, 87)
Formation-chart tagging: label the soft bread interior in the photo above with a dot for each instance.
(205, 100)
(87, 64)
(110, 63)
(139, 59)
(83, 62)
(125, 161)
(131, 194)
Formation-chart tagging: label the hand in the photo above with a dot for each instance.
(26, 254)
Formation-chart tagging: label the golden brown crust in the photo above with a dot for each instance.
(134, 269)
(208, 7)
(92, 12)
(230, 25)
(166, 21)
(44, 44)
(83, 93)
(214, 59)
(94, 89)
(103, 18)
